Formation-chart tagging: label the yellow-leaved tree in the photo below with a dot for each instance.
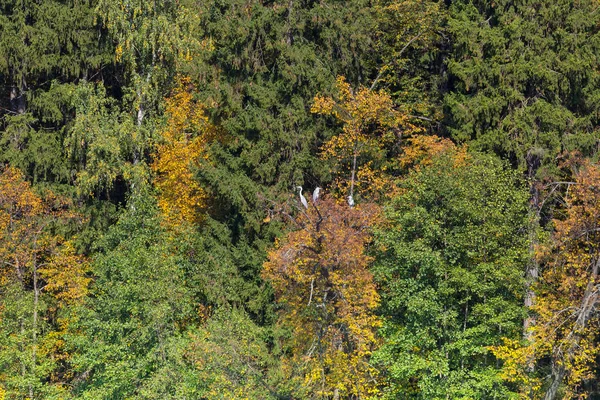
(183, 143)
(362, 154)
(567, 301)
(41, 276)
(568, 295)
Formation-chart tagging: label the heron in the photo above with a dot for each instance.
(302, 198)
(350, 201)
(316, 194)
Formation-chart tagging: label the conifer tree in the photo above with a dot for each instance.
(45, 47)
(523, 79)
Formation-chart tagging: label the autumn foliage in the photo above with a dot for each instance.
(155, 243)
(41, 274)
(567, 300)
(27, 245)
(321, 279)
(183, 144)
(371, 127)
(568, 293)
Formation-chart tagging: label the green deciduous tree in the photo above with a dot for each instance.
(233, 358)
(450, 264)
(130, 339)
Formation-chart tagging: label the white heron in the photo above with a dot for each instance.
(316, 194)
(350, 201)
(302, 198)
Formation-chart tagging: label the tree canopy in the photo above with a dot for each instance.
(299, 199)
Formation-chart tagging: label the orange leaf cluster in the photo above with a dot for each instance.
(422, 150)
(24, 217)
(321, 277)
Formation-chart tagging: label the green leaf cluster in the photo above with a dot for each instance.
(450, 265)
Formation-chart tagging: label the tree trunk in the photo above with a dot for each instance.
(533, 269)
(36, 297)
(531, 277)
(558, 374)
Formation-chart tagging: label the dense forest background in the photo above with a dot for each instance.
(153, 239)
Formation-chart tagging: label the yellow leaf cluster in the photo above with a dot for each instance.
(517, 357)
(66, 275)
(184, 139)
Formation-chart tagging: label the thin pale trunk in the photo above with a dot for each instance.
(558, 374)
(336, 394)
(353, 176)
(22, 350)
(139, 120)
(533, 269)
(141, 112)
(36, 297)
(531, 277)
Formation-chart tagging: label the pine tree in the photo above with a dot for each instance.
(523, 79)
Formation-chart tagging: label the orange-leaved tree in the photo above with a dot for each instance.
(320, 274)
(372, 129)
(567, 301)
(40, 277)
(184, 138)
(568, 295)
(421, 150)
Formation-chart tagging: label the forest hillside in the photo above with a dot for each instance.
(299, 199)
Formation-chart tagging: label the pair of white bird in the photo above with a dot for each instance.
(315, 197)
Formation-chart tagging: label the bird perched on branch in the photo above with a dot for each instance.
(316, 194)
(302, 198)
